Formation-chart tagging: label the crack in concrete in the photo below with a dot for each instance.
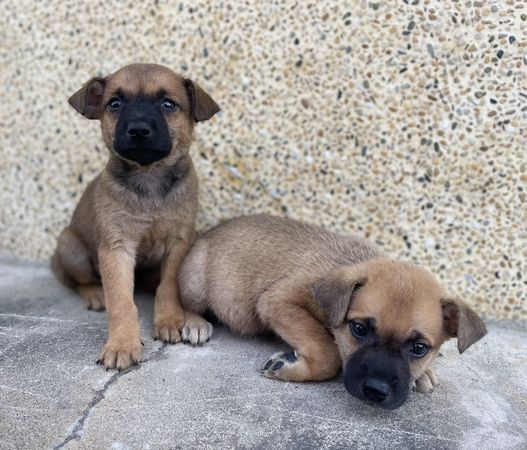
(77, 427)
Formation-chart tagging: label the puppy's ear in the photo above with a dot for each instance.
(334, 293)
(460, 321)
(88, 99)
(203, 107)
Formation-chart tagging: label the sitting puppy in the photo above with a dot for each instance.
(337, 300)
(139, 213)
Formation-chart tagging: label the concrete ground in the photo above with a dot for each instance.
(53, 395)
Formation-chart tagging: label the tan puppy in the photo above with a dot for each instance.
(337, 300)
(139, 213)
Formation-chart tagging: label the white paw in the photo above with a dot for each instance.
(196, 330)
(426, 382)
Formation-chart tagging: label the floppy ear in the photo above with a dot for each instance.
(88, 99)
(203, 107)
(333, 293)
(460, 321)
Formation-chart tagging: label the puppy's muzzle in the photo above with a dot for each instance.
(376, 389)
(378, 377)
(141, 133)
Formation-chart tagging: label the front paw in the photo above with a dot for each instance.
(120, 355)
(285, 366)
(167, 330)
(426, 382)
(196, 330)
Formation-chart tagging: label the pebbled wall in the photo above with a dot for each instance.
(400, 120)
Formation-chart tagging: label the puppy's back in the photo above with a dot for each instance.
(273, 242)
(235, 262)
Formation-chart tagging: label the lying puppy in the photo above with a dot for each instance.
(337, 300)
(139, 213)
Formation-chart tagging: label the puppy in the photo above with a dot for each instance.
(336, 300)
(137, 216)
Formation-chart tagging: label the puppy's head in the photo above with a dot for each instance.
(147, 112)
(389, 320)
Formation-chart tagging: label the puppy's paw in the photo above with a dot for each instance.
(196, 330)
(120, 356)
(287, 366)
(167, 331)
(93, 296)
(426, 382)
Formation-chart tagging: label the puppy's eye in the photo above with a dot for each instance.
(358, 329)
(168, 104)
(418, 349)
(114, 103)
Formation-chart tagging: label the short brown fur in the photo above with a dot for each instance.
(127, 221)
(259, 273)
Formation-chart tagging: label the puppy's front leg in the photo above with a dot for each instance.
(123, 347)
(315, 356)
(426, 382)
(168, 312)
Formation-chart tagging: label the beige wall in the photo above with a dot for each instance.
(402, 122)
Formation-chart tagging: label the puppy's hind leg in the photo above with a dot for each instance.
(72, 266)
(93, 295)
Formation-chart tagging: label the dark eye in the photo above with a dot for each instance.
(358, 329)
(114, 103)
(168, 104)
(418, 349)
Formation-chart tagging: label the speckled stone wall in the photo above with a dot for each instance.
(400, 120)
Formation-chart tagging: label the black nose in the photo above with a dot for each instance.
(139, 129)
(375, 389)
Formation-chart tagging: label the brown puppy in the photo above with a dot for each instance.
(139, 213)
(337, 300)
